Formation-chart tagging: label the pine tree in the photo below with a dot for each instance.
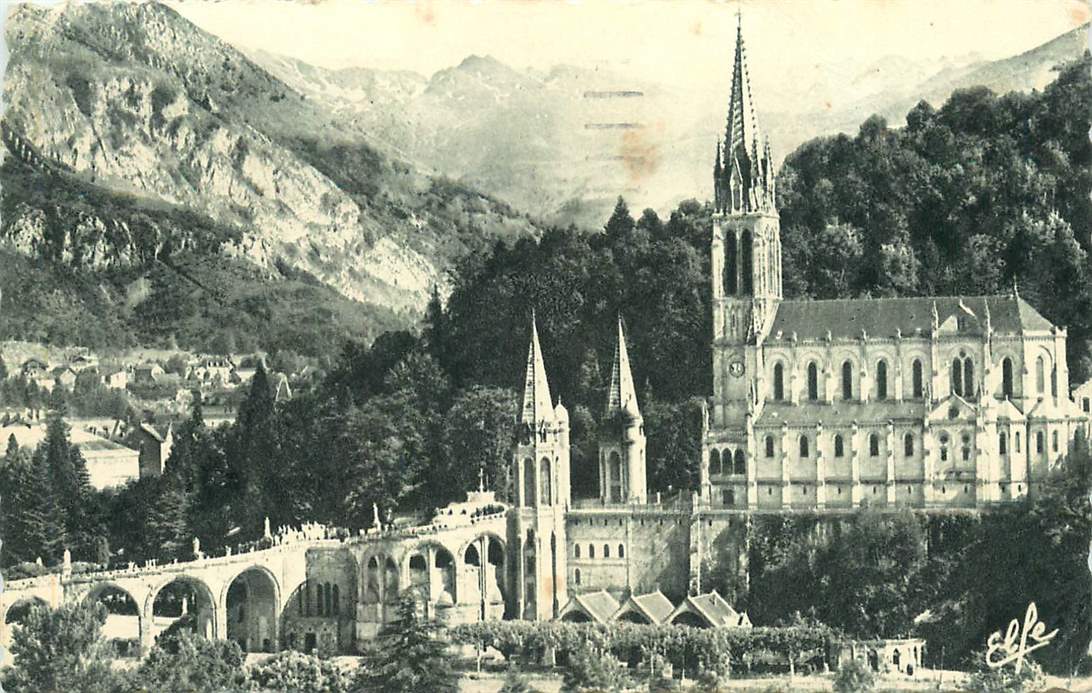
(621, 223)
(434, 335)
(37, 526)
(407, 658)
(167, 530)
(255, 457)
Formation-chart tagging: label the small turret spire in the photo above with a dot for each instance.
(536, 390)
(622, 395)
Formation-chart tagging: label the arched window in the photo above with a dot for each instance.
(918, 387)
(1054, 441)
(591, 550)
(746, 263)
(714, 462)
(731, 286)
(778, 382)
(606, 550)
(1016, 440)
(881, 380)
(908, 445)
(968, 377)
(576, 551)
(966, 447)
(957, 377)
(1039, 444)
(847, 380)
(336, 600)
(1054, 381)
(529, 481)
(873, 444)
(839, 446)
(944, 447)
(813, 381)
(546, 487)
(1040, 376)
(1006, 377)
(621, 551)
(769, 446)
(576, 576)
(804, 446)
(740, 466)
(616, 477)
(1003, 443)
(728, 497)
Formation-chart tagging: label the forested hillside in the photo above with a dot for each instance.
(985, 192)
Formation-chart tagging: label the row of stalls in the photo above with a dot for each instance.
(708, 610)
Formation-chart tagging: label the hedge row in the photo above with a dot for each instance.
(756, 650)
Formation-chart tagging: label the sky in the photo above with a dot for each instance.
(661, 41)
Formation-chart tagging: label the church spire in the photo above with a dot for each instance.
(536, 390)
(622, 395)
(744, 183)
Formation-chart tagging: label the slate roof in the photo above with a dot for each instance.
(655, 606)
(881, 317)
(599, 605)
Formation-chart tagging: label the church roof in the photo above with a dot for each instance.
(622, 396)
(537, 405)
(882, 317)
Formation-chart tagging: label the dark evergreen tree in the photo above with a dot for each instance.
(407, 657)
(38, 528)
(167, 528)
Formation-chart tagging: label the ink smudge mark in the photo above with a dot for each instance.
(640, 152)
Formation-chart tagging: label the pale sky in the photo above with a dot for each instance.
(662, 41)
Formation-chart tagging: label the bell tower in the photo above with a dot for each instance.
(540, 479)
(745, 252)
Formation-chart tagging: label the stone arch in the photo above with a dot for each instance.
(813, 381)
(251, 603)
(576, 616)
(739, 462)
(124, 618)
(847, 379)
(18, 609)
(881, 379)
(917, 379)
(634, 617)
(484, 576)
(175, 591)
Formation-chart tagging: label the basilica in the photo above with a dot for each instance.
(936, 403)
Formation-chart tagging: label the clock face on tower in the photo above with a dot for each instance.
(736, 367)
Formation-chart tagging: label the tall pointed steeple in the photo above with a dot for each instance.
(622, 395)
(537, 405)
(745, 181)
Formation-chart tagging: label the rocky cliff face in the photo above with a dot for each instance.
(134, 99)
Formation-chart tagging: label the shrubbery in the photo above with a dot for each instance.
(299, 673)
(755, 650)
(854, 676)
